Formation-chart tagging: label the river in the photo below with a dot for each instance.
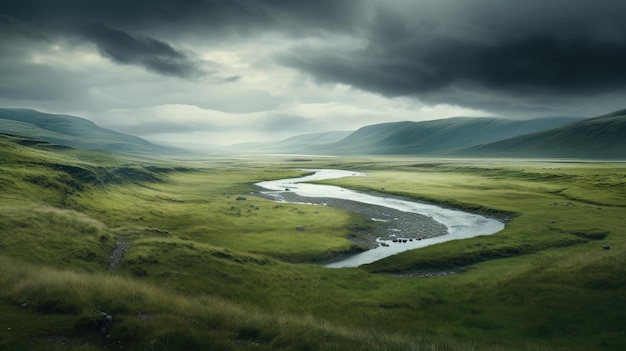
(459, 224)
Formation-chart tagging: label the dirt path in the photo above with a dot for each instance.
(117, 254)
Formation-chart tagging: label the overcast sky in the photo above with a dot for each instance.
(226, 71)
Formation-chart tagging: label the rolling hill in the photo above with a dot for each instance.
(602, 137)
(74, 132)
(437, 137)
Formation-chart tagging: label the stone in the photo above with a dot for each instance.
(106, 324)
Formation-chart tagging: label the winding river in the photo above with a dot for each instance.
(459, 224)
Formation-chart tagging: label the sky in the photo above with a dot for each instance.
(229, 71)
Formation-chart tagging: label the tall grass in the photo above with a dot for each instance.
(147, 317)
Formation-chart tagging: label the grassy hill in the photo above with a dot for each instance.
(438, 137)
(603, 137)
(74, 132)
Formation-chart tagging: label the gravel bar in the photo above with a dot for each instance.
(387, 223)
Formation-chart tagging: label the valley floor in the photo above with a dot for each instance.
(199, 269)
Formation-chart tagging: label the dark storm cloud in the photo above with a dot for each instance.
(564, 66)
(131, 32)
(485, 54)
(238, 15)
(540, 64)
(13, 28)
(508, 48)
(154, 55)
(119, 46)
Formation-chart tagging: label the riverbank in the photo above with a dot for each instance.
(385, 224)
(410, 224)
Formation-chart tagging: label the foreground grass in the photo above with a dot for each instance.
(207, 271)
(213, 207)
(152, 318)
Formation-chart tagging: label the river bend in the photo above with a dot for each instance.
(458, 224)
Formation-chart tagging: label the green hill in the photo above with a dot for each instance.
(603, 137)
(438, 137)
(74, 132)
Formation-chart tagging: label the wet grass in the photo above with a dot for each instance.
(207, 271)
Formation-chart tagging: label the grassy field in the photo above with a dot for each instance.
(204, 270)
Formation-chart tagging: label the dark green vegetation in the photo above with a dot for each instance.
(597, 138)
(74, 132)
(203, 270)
(438, 137)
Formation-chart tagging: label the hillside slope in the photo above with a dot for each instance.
(602, 137)
(438, 137)
(74, 132)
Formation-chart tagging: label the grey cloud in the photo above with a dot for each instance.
(241, 16)
(117, 23)
(11, 28)
(119, 46)
(154, 55)
(545, 64)
(231, 79)
(501, 48)
(540, 64)
(32, 82)
(25, 81)
(281, 122)
(284, 122)
(486, 54)
(270, 123)
(147, 128)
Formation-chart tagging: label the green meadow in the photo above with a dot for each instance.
(207, 264)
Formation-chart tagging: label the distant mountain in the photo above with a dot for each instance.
(74, 132)
(295, 144)
(602, 137)
(437, 137)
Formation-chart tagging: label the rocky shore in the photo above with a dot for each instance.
(383, 223)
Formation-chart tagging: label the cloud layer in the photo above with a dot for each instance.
(272, 57)
(153, 54)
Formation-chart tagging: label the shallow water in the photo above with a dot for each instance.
(460, 225)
